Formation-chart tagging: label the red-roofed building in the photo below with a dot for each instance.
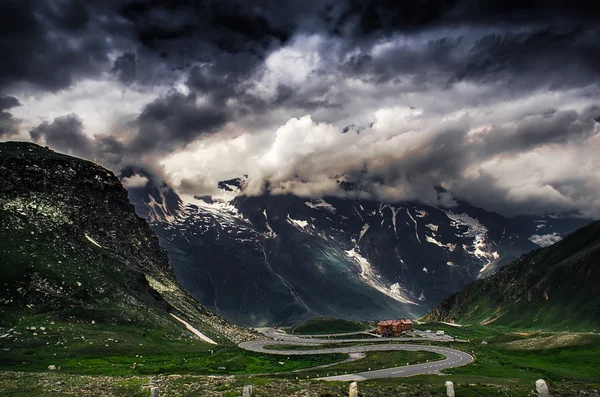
(393, 328)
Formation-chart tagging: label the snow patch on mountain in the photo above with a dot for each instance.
(449, 246)
(415, 222)
(433, 241)
(363, 231)
(394, 215)
(158, 211)
(299, 224)
(368, 274)
(270, 233)
(91, 240)
(432, 227)
(545, 240)
(472, 225)
(222, 212)
(320, 204)
(472, 228)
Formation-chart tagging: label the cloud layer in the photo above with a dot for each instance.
(498, 104)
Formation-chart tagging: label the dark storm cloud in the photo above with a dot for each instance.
(164, 124)
(537, 56)
(8, 124)
(65, 134)
(370, 55)
(364, 17)
(561, 56)
(125, 67)
(172, 121)
(8, 102)
(232, 37)
(50, 44)
(535, 130)
(228, 76)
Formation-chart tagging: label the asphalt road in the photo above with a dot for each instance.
(454, 358)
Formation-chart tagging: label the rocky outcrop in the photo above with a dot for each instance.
(74, 248)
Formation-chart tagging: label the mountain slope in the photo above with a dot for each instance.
(556, 287)
(282, 259)
(73, 251)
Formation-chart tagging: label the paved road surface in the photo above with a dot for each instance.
(454, 358)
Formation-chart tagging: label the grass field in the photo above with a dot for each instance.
(120, 350)
(324, 326)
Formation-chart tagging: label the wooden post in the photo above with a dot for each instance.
(247, 391)
(154, 391)
(449, 389)
(542, 388)
(353, 390)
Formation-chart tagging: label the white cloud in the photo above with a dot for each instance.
(135, 181)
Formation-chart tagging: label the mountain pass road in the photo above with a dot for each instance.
(454, 358)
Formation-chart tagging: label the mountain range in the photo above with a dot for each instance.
(271, 259)
(280, 259)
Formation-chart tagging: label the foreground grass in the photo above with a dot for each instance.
(58, 384)
(324, 326)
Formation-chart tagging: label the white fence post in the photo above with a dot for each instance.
(542, 388)
(353, 390)
(449, 389)
(247, 391)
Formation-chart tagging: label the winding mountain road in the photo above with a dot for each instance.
(454, 358)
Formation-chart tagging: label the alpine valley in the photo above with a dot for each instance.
(282, 259)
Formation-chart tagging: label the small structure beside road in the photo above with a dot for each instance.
(394, 328)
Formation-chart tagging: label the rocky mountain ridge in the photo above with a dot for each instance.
(74, 250)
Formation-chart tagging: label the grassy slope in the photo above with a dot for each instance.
(324, 326)
(555, 288)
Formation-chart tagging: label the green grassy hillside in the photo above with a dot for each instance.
(552, 288)
(325, 325)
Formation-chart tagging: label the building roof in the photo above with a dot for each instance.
(403, 321)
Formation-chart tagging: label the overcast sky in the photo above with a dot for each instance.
(498, 102)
